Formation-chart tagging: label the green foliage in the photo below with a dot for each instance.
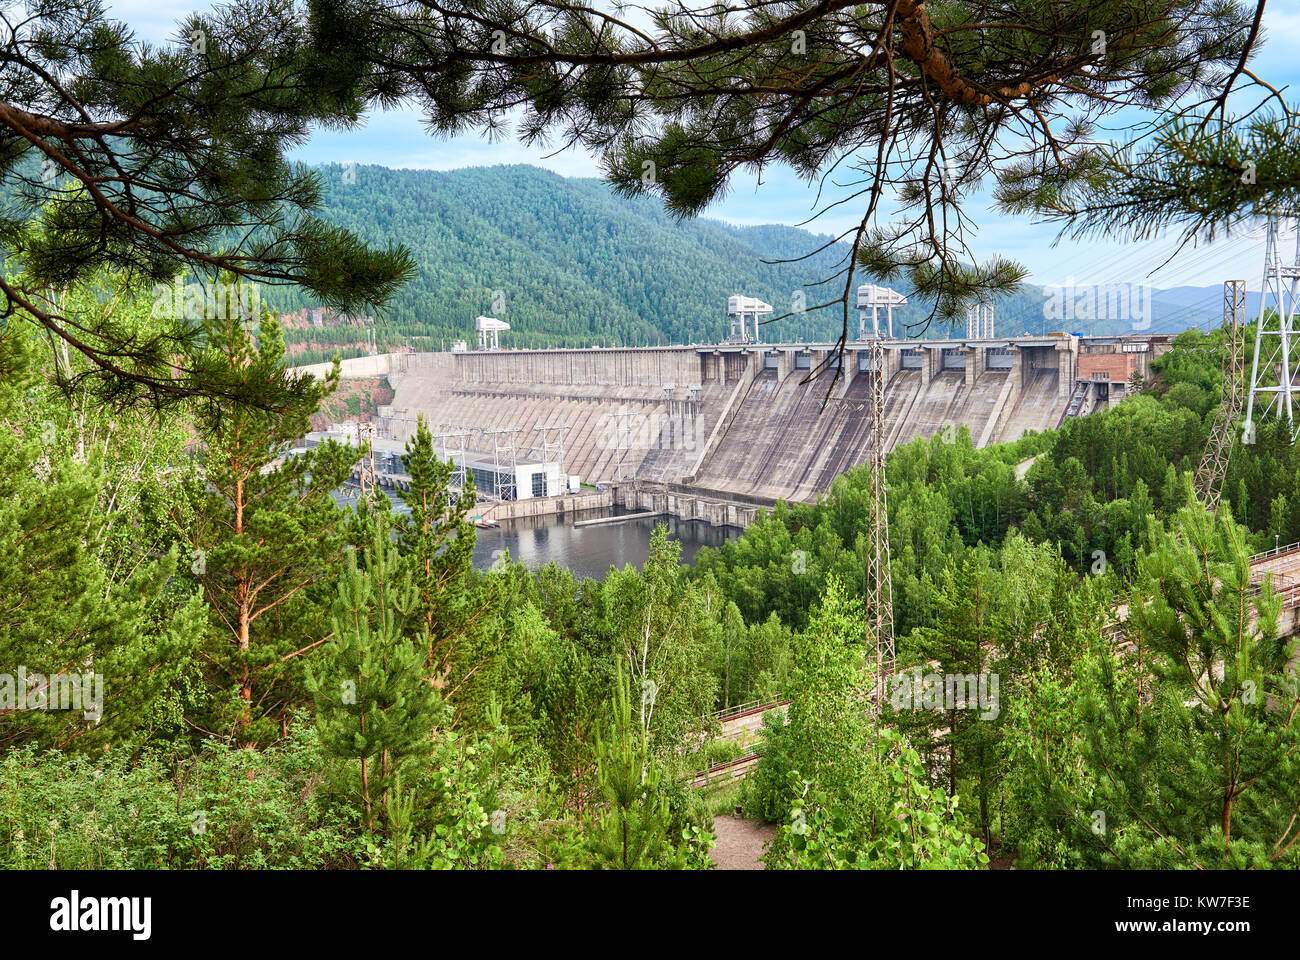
(438, 536)
(752, 665)
(565, 686)
(829, 721)
(450, 811)
(661, 629)
(1044, 755)
(965, 642)
(1188, 746)
(916, 827)
(629, 830)
(90, 501)
(764, 793)
(221, 809)
(373, 700)
(436, 539)
(267, 529)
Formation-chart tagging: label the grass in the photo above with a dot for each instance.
(722, 799)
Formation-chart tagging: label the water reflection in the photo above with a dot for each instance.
(587, 551)
(591, 551)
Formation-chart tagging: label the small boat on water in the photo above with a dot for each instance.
(483, 524)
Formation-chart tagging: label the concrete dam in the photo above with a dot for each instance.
(737, 426)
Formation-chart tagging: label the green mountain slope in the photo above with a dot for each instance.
(567, 263)
(574, 264)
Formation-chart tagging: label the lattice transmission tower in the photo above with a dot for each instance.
(454, 442)
(367, 475)
(1272, 372)
(1214, 462)
(505, 460)
(880, 589)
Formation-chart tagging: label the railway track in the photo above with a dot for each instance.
(746, 710)
(735, 727)
(724, 772)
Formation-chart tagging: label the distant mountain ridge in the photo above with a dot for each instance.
(568, 263)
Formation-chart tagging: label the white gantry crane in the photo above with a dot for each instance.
(489, 328)
(875, 299)
(745, 310)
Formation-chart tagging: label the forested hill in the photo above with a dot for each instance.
(577, 265)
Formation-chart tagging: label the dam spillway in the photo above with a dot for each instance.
(745, 421)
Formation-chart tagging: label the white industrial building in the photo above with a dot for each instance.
(518, 481)
(494, 476)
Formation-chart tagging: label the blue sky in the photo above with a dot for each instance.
(398, 139)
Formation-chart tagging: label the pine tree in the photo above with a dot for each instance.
(1199, 171)
(168, 159)
(1191, 757)
(963, 643)
(630, 830)
(372, 698)
(438, 538)
(91, 611)
(268, 528)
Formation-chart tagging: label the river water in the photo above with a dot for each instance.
(587, 551)
(591, 551)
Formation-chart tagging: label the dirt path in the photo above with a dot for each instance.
(740, 842)
(1023, 466)
(998, 860)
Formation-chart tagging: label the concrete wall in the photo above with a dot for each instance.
(358, 367)
(715, 511)
(570, 503)
(648, 367)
